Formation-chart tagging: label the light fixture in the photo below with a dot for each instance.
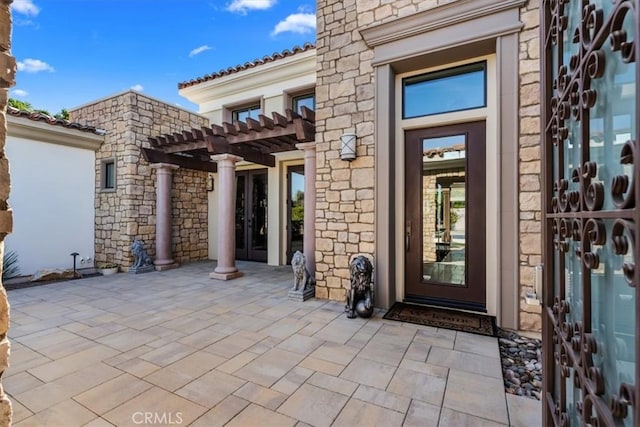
(348, 151)
(210, 182)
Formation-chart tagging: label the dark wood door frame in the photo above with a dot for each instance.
(471, 295)
(291, 169)
(244, 248)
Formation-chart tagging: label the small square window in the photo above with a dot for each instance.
(307, 100)
(242, 114)
(108, 178)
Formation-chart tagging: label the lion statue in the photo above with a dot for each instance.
(360, 295)
(301, 277)
(140, 256)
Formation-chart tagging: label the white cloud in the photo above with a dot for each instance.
(25, 7)
(20, 93)
(242, 6)
(300, 23)
(30, 65)
(199, 50)
(137, 87)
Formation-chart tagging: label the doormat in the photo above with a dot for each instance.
(443, 318)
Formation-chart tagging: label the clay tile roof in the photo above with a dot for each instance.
(250, 64)
(40, 117)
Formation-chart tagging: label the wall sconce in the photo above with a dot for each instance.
(210, 182)
(348, 151)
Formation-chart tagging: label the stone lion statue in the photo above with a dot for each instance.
(360, 295)
(302, 280)
(140, 256)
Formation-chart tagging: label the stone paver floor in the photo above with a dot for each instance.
(177, 348)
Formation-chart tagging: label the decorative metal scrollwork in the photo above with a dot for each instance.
(623, 192)
(591, 207)
(622, 238)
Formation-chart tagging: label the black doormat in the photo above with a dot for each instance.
(443, 318)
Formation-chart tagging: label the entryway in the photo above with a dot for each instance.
(445, 224)
(251, 215)
(295, 210)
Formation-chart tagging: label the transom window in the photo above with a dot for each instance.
(308, 100)
(444, 91)
(242, 114)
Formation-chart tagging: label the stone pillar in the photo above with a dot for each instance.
(7, 79)
(309, 239)
(226, 269)
(164, 255)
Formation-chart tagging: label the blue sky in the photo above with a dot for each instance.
(71, 52)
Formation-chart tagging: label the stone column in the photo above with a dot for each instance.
(226, 269)
(164, 255)
(7, 79)
(309, 245)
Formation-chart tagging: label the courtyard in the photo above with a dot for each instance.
(177, 348)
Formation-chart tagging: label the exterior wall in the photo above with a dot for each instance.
(530, 226)
(128, 213)
(272, 84)
(345, 100)
(7, 79)
(53, 198)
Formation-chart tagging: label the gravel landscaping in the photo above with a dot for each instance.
(521, 364)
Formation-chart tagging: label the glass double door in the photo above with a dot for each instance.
(445, 216)
(251, 215)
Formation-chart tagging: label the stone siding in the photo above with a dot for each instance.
(128, 213)
(529, 155)
(7, 79)
(345, 103)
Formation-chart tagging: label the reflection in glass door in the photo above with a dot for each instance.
(445, 216)
(295, 210)
(251, 215)
(443, 211)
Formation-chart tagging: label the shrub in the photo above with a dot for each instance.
(10, 266)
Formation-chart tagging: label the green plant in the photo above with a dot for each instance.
(10, 265)
(106, 265)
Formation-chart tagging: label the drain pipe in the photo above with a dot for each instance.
(74, 255)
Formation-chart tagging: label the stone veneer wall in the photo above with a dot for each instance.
(345, 103)
(128, 213)
(530, 166)
(7, 79)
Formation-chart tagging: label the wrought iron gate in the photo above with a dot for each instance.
(590, 108)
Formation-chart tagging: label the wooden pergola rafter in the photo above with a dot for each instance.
(254, 140)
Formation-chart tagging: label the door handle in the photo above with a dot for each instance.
(407, 236)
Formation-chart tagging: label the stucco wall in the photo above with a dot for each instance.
(52, 198)
(128, 213)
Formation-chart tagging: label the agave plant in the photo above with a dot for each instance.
(10, 265)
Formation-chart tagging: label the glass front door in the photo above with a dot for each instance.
(251, 215)
(445, 216)
(295, 209)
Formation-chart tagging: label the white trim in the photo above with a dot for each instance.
(265, 80)
(22, 127)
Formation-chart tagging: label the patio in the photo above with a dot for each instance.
(178, 348)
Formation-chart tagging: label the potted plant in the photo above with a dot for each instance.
(108, 268)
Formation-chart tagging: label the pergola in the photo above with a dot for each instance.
(218, 148)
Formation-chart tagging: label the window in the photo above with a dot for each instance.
(241, 114)
(308, 100)
(453, 89)
(108, 178)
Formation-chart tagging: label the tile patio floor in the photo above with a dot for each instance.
(180, 349)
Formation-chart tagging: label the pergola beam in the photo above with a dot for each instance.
(155, 156)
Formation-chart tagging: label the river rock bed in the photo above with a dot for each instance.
(521, 359)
